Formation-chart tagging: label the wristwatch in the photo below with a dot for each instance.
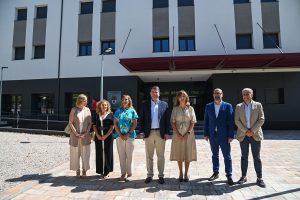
(188, 132)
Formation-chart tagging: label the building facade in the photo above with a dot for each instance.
(56, 49)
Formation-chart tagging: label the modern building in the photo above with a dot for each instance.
(56, 49)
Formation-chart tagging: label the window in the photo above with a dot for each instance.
(41, 12)
(187, 44)
(160, 3)
(271, 40)
(244, 41)
(268, 1)
(19, 53)
(108, 44)
(11, 104)
(240, 1)
(85, 49)
(39, 52)
(274, 96)
(109, 6)
(21, 14)
(185, 3)
(86, 8)
(42, 103)
(161, 45)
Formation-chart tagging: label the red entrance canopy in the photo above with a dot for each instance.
(212, 62)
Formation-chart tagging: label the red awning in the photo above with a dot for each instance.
(237, 61)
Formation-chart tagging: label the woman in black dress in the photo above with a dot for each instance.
(103, 127)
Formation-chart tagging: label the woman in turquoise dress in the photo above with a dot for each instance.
(125, 122)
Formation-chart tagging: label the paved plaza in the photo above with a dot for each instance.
(281, 172)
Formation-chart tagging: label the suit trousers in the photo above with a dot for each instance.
(125, 151)
(216, 142)
(82, 151)
(255, 148)
(154, 141)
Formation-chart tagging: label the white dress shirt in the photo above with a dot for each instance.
(217, 109)
(154, 115)
(248, 113)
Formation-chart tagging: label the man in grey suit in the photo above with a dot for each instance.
(249, 118)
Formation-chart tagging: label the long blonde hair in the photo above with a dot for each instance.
(130, 104)
(98, 106)
(80, 98)
(182, 92)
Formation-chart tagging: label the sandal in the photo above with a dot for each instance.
(122, 178)
(83, 172)
(78, 173)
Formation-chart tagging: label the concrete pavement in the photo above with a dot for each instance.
(281, 172)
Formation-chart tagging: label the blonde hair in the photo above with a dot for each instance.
(182, 92)
(80, 99)
(130, 104)
(98, 106)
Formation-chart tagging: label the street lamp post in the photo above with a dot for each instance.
(105, 51)
(1, 93)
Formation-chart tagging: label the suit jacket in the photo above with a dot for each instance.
(224, 121)
(257, 119)
(163, 118)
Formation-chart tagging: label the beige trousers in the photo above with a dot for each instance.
(154, 141)
(82, 151)
(125, 151)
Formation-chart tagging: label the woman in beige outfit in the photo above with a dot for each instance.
(183, 147)
(80, 122)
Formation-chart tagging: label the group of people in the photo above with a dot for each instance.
(155, 120)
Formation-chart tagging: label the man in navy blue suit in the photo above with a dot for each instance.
(154, 129)
(218, 129)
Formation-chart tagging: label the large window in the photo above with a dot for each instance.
(187, 44)
(108, 44)
(85, 49)
(161, 45)
(41, 12)
(11, 104)
(274, 96)
(160, 3)
(21, 14)
(39, 51)
(86, 7)
(42, 103)
(271, 40)
(19, 53)
(109, 6)
(240, 1)
(185, 3)
(244, 41)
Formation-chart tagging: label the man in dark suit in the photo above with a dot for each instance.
(154, 129)
(218, 129)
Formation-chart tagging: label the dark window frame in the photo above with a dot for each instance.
(20, 15)
(110, 44)
(280, 99)
(160, 3)
(41, 12)
(84, 49)
(18, 51)
(182, 3)
(269, 40)
(241, 1)
(86, 7)
(242, 45)
(161, 44)
(267, 1)
(39, 52)
(186, 40)
(109, 6)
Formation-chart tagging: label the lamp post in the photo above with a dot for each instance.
(105, 51)
(1, 93)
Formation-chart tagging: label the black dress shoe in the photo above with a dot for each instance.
(161, 180)
(260, 183)
(148, 179)
(230, 181)
(242, 180)
(213, 177)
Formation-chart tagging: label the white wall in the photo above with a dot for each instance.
(137, 15)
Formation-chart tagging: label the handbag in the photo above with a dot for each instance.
(68, 129)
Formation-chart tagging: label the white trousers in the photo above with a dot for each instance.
(82, 151)
(125, 151)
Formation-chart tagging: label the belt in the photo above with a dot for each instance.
(154, 129)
